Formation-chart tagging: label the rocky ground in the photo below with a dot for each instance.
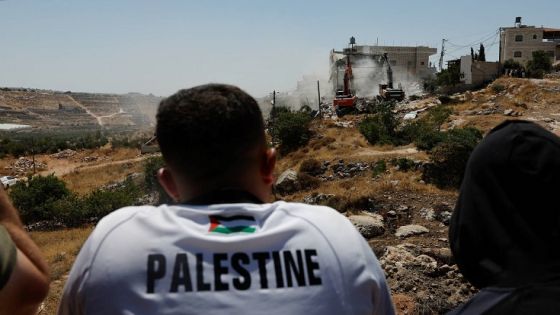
(404, 219)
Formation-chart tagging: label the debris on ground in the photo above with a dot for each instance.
(64, 154)
(24, 165)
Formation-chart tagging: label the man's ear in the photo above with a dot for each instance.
(267, 165)
(169, 184)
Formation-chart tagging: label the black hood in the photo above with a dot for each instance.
(505, 230)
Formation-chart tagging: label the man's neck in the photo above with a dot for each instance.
(224, 195)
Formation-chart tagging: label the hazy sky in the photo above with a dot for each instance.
(161, 46)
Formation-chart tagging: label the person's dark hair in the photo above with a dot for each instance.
(207, 132)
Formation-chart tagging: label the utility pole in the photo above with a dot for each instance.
(442, 53)
(319, 98)
(271, 116)
(33, 155)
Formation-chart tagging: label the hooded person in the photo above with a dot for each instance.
(505, 230)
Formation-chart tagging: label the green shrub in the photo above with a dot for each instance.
(425, 132)
(449, 77)
(311, 167)
(20, 144)
(445, 99)
(540, 64)
(34, 198)
(381, 128)
(426, 139)
(448, 158)
(151, 183)
(373, 130)
(290, 129)
(430, 85)
(497, 88)
(379, 168)
(100, 202)
(403, 164)
(438, 115)
(46, 198)
(512, 64)
(307, 181)
(151, 166)
(74, 210)
(71, 211)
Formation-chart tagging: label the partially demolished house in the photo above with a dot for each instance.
(408, 63)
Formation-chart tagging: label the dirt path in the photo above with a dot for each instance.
(372, 152)
(98, 118)
(63, 169)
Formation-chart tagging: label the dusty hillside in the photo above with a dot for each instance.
(52, 109)
(404, 219)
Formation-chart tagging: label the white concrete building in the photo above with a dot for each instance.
(475, 72)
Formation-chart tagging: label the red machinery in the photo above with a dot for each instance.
(345, 98)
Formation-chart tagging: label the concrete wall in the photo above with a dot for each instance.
(477, 72)
(532, 40)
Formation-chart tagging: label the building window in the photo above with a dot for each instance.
(517, 54)
(518, 38)
(535, 36)
(422, 63)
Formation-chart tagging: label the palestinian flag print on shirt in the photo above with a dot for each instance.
(233, 224)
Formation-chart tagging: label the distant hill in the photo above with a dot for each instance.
(43, 109)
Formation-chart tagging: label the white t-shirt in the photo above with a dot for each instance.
(242, 258)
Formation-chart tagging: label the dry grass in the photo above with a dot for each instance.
(60, 249)
(84, 180)
(5, 162)
(365, 185)
(117, 154)
(404, 304)
(534, 99)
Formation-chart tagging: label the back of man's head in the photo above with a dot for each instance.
(208, 133)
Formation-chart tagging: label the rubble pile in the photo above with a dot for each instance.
(428, 273)
(327, 110)
(342, 170)
(88, 159)
(24, 165)
(64, 154)
(317, 198)
(135, 178)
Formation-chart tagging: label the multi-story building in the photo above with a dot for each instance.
(519, 42)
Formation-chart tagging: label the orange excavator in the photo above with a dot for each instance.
(344, 100)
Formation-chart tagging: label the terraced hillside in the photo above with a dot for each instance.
(51, 109)
(42, 109)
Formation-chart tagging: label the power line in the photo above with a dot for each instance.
(480, 41)
(493, 37)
